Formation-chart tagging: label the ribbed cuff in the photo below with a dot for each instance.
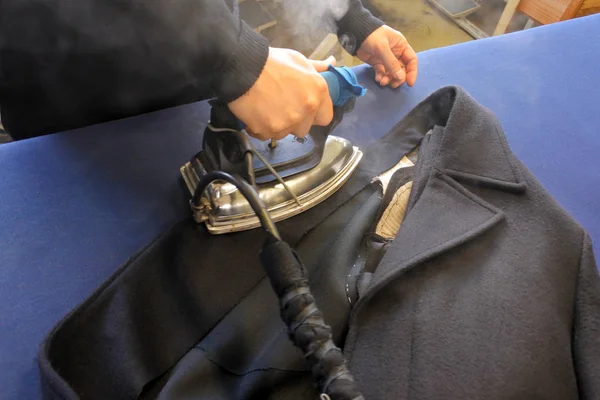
(356, 26)
(244, 67)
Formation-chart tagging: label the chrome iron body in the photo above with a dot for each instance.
(225, 210)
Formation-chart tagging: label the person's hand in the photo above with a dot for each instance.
(393, 59)
(289, 97)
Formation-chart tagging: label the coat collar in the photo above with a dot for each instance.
(466, 149)
(473, 147)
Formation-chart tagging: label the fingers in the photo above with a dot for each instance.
(392, 57)
(385, 80)
(412, 68)
(257, 135)
(410, 60)
(379, 72)
(289, 97)
(318, 110)
(324, 114)
(300, 130)
(273, 127)
(303, 127)
(384, 77)
(322, 65)
(272, 135)
(393, 66)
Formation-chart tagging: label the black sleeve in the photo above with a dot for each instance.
(65, 63)
(586, 326)
(356, 26)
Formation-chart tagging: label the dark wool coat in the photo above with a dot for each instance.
(489, 290)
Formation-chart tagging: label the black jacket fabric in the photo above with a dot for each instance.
(489, 290)
(66, 64)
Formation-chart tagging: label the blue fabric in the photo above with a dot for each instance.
(74, 206)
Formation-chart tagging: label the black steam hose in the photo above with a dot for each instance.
(289, 278)
(245, 189)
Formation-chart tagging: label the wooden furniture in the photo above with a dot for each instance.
(459, 11)
(546, 11)
(330, 46)
(259, 18)
(255, 15)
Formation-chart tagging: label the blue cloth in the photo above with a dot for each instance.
(75, 206)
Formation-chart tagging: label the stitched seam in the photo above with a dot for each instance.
(248, 293)
(475, 175)
(197, 343)
(492, 181)
(506, 155)
(466, 193)
(252, 371)
(252, 289)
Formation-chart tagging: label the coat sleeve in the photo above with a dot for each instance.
(88, 58)
(586, 328)
(356, 25)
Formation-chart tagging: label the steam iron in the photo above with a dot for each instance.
(291, 175)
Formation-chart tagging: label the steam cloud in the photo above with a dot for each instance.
(311, 20)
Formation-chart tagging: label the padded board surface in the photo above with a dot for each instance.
(74, 206)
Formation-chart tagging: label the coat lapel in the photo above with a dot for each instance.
(445, 216)
(467, 147)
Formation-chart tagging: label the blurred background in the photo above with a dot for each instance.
(426, 24)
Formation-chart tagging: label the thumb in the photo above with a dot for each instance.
(392, 65)
(322, 65)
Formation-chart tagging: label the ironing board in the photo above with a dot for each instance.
(75, 206)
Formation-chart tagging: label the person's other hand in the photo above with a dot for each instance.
(289, 97)
(392, 57)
